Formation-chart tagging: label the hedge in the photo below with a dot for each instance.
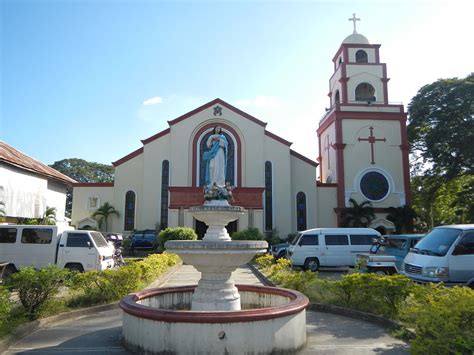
(443, 318)
(177, 233)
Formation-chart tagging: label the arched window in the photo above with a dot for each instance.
(361, 56)
(230, 167)
(340, 60)
(365, 92)
(165, 182)
(300, 211)
(268, 196)
(337, 98)
(129, 223)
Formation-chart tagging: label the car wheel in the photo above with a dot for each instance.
(311, 264)
(9, 270)
(380, 272)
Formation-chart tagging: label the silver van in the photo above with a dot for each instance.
(330, 246)
(446, 254)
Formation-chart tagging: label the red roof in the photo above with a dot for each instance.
(11, 156)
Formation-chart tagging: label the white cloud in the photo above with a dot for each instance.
(153, 101)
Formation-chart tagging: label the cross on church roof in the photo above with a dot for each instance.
(354, 19)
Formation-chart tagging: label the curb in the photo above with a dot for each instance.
(33, 326)
(345, 312)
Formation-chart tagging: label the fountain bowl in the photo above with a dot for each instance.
(158, 321)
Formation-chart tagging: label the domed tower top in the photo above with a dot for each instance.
(355, 38)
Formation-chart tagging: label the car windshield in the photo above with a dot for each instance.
(437, 242)
(295, 239)
(99, 239)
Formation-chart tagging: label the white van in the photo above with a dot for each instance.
(446, 254)
(330, 246)
(39, 246)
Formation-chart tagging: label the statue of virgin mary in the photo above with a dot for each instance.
(215, 158)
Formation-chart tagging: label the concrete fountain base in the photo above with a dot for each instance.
(272, 320)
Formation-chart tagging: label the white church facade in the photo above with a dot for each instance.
(363, 155)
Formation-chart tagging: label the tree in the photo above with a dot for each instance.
(49, 216)
(84, 172)
(403, 217)
(440, 201)
(103, 213)
(441, 126)
(359, 215)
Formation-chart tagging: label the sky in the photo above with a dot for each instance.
(89, 79)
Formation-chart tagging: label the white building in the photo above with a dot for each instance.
(363, 155)
(28, 187)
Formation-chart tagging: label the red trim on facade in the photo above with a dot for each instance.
(156, 136)
(297, 303)
(186, 197)
(303, 158)
(405, 161)
(320, 157)
(93, 184)
(278, 138)
(212, 103)
(128, 157)
(238, 149)
(385, 84)
(339, 145)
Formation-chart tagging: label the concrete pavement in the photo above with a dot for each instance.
(100, 333)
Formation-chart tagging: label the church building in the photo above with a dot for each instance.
(363, 155)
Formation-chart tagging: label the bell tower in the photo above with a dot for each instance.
(363, 147)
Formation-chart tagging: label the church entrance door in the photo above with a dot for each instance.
(201, 228)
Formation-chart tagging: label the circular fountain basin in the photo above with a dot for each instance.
(159, 321)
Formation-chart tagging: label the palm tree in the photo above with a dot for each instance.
(49, 216)
(359, 215)
(103, 212)
(2, 211)
(403, 217)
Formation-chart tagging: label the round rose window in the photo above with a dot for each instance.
(374, 186)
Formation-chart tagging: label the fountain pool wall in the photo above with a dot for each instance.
(271, 320)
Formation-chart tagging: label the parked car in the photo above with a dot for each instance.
(143, 239)
(446, 254)
(279, 250)
(330, 246)
(42, 245)
(115, 238)
(387, 253)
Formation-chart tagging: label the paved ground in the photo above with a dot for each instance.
(100, 333)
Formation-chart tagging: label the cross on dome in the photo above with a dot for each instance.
(354, 19)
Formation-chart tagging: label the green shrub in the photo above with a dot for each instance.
(250, 233)
(383, 295)
(5, 308)
(265, 260)
(443, 319)
(178, 233)
(272, 237)
(35, 287)
(95, 287)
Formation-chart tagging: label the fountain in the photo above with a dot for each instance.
(216, 316)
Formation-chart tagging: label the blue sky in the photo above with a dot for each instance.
(90, 79)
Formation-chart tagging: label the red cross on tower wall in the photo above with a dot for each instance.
(371, 139)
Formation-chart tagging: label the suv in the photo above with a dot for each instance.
(144, 239)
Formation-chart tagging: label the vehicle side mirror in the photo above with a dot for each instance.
(89, 245)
